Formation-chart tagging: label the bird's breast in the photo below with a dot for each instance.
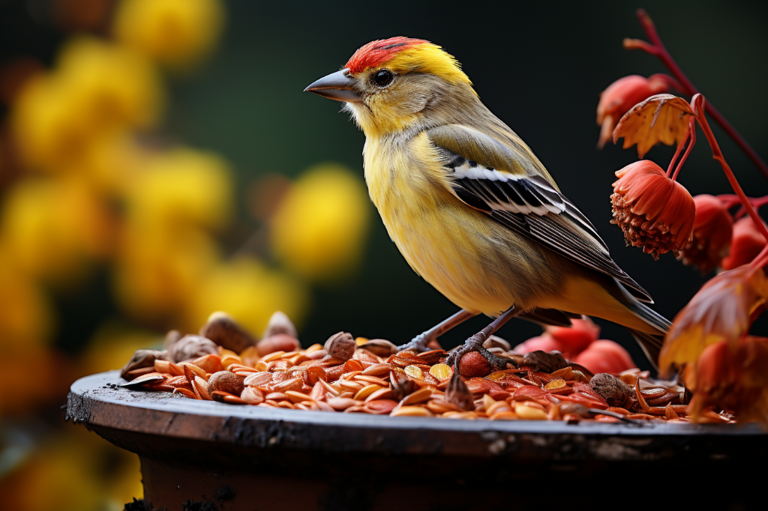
(465, 255)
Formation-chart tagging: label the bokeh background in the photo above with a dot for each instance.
(159, 161)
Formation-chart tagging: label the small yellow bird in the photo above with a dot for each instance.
(469, 205)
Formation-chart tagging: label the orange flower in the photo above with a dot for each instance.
(655, 212)
(722, 310)
(746, 243)
(622, 95)
(735, 380)
(712, 232)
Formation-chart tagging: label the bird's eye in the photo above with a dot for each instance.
(383, 77)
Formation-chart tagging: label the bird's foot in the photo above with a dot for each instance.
(417, 344)
(475, 343)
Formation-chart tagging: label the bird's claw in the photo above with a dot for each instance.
(418, 344)
(475, 343)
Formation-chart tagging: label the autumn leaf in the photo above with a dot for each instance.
(722, 310)
(660, 118)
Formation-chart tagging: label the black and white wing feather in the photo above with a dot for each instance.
(491, 177)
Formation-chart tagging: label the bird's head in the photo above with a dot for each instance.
(399, 83)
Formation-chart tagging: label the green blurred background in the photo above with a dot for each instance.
(152, 172)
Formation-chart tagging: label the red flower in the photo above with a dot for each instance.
(577, 337)
(655, 212)
(605, 356)
(622, 95)
(570, 341)
(746, 243)
(712, 232)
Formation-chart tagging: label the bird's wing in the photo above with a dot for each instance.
(489, 176)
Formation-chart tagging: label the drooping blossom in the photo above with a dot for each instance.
(712, 232)
(622, 95)
(656, 213)
(746, 243)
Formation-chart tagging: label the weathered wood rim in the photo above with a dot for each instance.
(98, 402)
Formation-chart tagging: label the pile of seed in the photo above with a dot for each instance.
(224, 363)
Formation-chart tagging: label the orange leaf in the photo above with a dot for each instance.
(660, 118)
(721, 311)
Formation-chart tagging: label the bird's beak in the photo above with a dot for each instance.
(338, 86)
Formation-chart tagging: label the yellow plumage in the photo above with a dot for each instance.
(454, 248)
(469, 206)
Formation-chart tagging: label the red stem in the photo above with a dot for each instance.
(698, 102)
(757, 203)
(677, 152)
(691, 143)
(658, 50)
(761, 260)
(729, 200)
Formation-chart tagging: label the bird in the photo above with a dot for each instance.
(470, 206)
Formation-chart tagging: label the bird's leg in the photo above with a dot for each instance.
(419, 343)
(475, 343)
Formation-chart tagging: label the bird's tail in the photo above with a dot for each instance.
(651, 345)
(605, 297)
(650, 342)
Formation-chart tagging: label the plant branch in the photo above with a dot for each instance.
(658, 50)
(698, 102)
(757, 203)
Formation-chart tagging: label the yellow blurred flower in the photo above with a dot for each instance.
(249, 292)
(97, 88)
(177, 33)
(46, 127)
(112, 346)
(174, 199)
(109, 164)
(26, 314)
(54, 228)
(319, 230)
(53, 374)
(158, 271)
(70, 471)
(113, 86)
(27, 321)
(182, 188)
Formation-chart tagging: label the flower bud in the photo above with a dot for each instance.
(712, 232)
(746, 243)
(655, 212)
(622, 95)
